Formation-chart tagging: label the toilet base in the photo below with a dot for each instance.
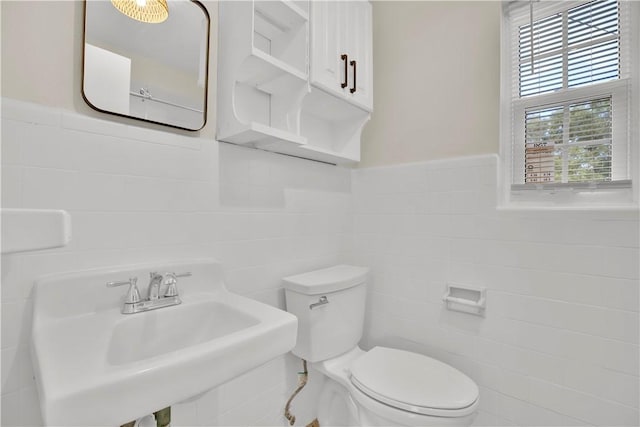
(335, 406)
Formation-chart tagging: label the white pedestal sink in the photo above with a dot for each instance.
(95, 366)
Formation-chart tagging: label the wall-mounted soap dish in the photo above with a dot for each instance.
(465, 298)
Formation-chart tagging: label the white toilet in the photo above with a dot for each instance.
(379, 387)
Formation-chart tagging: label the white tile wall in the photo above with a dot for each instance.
(138, 195)
(559, 343)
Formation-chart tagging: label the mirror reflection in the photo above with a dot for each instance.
(155, 72)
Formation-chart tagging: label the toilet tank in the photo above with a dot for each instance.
(329, 304)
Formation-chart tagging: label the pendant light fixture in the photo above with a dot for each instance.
(149, 11)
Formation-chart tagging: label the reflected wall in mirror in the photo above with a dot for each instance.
(153, 72)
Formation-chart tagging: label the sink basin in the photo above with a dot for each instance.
(163, 331)
(96, 366)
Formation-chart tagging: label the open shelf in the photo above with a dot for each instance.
(333, 127)
(269, 74)
(323, 105)
(263, 71)
(280, 30)
(284, 14)
(260, 135)
(311, 152)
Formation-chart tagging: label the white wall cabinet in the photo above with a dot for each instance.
(341, 50)
(266, 96)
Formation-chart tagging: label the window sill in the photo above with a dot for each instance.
(521, 207)
(614, 197)
(573, 187)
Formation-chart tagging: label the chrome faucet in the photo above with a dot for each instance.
(154, 300)
(155, 280)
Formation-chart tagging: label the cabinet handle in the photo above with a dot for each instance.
(353, 89)
(344, 83)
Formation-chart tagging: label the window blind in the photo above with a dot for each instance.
(569, 112)
(570, 142)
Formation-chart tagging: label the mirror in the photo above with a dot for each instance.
(153, 72)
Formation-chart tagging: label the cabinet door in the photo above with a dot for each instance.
(327, 34)
(358, 42)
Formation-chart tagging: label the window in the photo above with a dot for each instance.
(569, 105)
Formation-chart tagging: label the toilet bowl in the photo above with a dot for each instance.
(384, 386)
(379, 387)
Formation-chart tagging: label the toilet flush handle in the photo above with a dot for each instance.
(322, 301)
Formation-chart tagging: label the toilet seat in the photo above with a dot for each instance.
(414, 383)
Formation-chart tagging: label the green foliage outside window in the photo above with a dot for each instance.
(584, 152)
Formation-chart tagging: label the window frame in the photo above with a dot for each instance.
(616, 193)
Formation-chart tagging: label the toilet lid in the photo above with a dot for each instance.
(412, 381)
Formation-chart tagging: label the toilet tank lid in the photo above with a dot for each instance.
(326, 280)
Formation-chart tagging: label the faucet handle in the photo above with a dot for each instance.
(133, 295)
(171, 280)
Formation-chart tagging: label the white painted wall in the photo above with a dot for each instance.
(559, 343)
(436, 81)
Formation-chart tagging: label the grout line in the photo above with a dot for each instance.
(579, 304)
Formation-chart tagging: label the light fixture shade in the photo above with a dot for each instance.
(153, 11)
